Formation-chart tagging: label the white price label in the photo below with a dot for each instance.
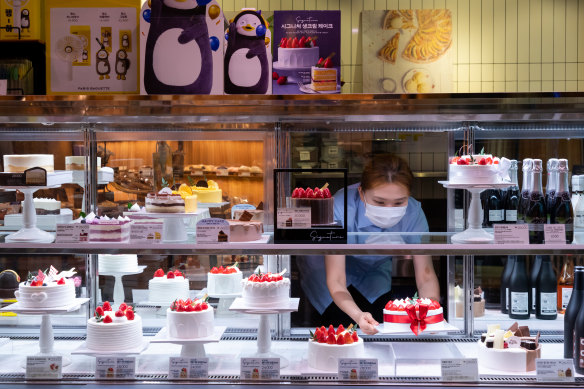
(48, 368)
(358, 369)
(72, 233)
(511, 233)
(120, 368)
(213, 230)
(188, 368)
(305, 155)
(293, 218)
(554, 370)
(460, 370)
(554, 233)
(260, 369)
(148, 233)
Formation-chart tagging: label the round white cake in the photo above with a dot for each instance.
(50, 296)
(120, 334)
(20, 162)
(123, 263)
(165, 290)
(224, 283)
(478, 169)
(508, 359)
(323, 356)
(190, 325)
(266, 293)
(302, 57)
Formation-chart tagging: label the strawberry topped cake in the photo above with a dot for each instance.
(190, 319)
(266, 288)
(417, 314)
(295, 52)
(327, 346)
(48, 289)
(224, 280)
(320, 202)
(478, 169)
(114, 330)
(165, 288)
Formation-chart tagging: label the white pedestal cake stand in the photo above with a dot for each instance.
(119, 295)
(225, 301)
(474, 233)
(46, 337)
(191, 348)
(104, 176)
(264, 341)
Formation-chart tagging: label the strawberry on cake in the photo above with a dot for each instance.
(110, 330)
(417, 314)
(266, 288)
(478, 169)
(165, 288)
(327, 346)
(189, 319)
(48, 289)
(224, 280)
(295, 52)
(320, 202)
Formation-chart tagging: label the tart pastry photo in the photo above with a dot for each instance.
(433, 37)
(396, 19)
(388, 53)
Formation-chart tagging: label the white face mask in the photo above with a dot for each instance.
(384, 217)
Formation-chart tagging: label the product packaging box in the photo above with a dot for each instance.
(182, 47)
(25, 15)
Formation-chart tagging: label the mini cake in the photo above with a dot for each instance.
(9, 281)
(46, 206)
(326, 347)
(189, 198)
(244, 171)
(245, 229)
(319, 201)
(266, 289)
(104, 229)
(478, 308)
(256, 170)
(21, 162)
(323, 79)
(513, 350)
(78, 162)
(208, 194)
(189, 319)
(478, 169)
(417, 314)
(114, 331)
(224, 280)
(47, 289)
(123, 263)
(164, 202)
(164, 289)
(297, 52)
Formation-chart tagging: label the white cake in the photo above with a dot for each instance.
(122, 333)
(189, 319)
(45, 206)
(123, 263)
(50, 296)
(21, 162)
(77, 162)
(223, 281)
(245, 231)
(396, 317)
(266, 292)
(164, 289)
(478, 169)
(322, 355)
(302, 57)
(509, 351)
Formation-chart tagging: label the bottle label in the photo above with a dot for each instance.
(533, 296)
(520, 303)
(579, 219)
(566, 294)
(495, 215)
(548, 303)
(507, 298)
(511, 215)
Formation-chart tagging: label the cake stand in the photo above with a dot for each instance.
(225, 301)
(264, 341)
(174, 229)
(119, 296)
(191, 348)
(30, 232)
(105, 175)
(474, 233)
(46, 337)
(138, 349)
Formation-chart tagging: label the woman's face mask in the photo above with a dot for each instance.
(394, 200)
(384, 217)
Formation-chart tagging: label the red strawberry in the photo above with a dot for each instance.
(275, 75)
(496, 162)
(189, 308)
(295, 43)
(123, 307)
(302, 41)
(204, 306)
(322, 338)
(129, 308)
(355, 336)
(159, 273)
(482, 161)
(301, 193)
(107, 319)
(283, 42)
(107, 306)
(309, 42)
(130, 314)
(320, 62)
(318, 194)
(505, 345)
(461, 162)
(61, 281)
(309, 193)
(282, 80)
(214, 270)
(326, 193)
(341, 340)
(348, 338)
(198, 308)
(323, 330)
(331, 339)
(328, 63)
(289, 43)
(119, 313)
(295, 193)
(99, 311)
(489, 161)
(170, 275)
(317, 332)
(340, 329)
(177, 273)
(331, 330)
(180, 308)
(454, 160)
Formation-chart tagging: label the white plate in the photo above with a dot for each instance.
(307, 89)
(162, 337)
(82, 349)
(241, 305)
(17, 308)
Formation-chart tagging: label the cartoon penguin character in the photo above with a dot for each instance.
(178, 58)
(84, 55)
(102, 65)
(25, 19)
(105, 38)
(246, 66)
(122, 64)
(125, 42)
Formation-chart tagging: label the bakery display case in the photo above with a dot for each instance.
(225, 151)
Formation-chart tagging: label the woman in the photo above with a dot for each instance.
(381, 202)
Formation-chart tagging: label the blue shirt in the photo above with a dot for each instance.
(369, 274)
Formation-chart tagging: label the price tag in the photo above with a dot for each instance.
(554, 370)
(148, 233)
(293, 218)
(260, 369)
(121, 368)
(188, 368)
(212, 230)
(72, 233)
(46, 368)
(305, 155)
(3, 87)
(460, 370)
(511, 233)
(554, 233)
(358, 369)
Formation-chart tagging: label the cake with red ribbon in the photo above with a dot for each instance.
(417, 314)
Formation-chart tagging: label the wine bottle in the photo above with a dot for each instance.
(578, 341)
(546, 301)
(512, 196)
(561, 205)
(551, 184)
(535, 267)
(572, 311)
(579, 207)
(494, 208)
(519, 291)
(565, 284)
(505, 276)
(536, 215)
(525, 185)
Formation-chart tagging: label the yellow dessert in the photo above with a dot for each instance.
(190, 204)
(211, 194)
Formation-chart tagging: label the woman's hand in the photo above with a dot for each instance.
(367, 323)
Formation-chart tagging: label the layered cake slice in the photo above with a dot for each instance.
(165, 202)
(327, 346)
(245, 229)
(104, 229)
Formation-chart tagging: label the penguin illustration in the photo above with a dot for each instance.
(106, 38)
(25, 19)
(84, 55)
(102, 65)
(246, 67)
(125, 42)
(178, 58)
(122, 64)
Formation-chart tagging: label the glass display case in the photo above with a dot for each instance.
(225, 150)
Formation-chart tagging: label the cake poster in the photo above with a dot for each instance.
(307, 52)
(92, 46)
(182, 47)
(407, 51)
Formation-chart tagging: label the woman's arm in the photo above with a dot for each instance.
(336, 282)
(426, 279)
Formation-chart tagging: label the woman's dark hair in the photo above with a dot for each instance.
(384, 169)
